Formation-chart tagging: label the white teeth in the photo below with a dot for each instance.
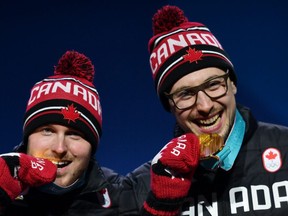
(209, 121)
(209, 127)
(60, 163)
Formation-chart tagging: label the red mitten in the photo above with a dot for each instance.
(171, 175)
(19, 171)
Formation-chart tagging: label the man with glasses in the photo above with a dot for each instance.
(222, 161)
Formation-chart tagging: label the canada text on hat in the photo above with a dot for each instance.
(68, 98)
(180, 47)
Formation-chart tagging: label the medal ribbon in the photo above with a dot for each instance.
(226, 157)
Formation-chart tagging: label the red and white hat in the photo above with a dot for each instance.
(67, 98)
(180, 47)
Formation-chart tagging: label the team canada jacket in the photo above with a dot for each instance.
(257, 184)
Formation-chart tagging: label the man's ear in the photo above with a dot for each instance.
(234, 88)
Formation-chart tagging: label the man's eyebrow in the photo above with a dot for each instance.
(184, 87)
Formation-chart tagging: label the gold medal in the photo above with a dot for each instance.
(210, 144)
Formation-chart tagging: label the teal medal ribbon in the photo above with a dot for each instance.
(226, 157)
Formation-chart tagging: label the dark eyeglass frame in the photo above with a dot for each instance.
(198, 88)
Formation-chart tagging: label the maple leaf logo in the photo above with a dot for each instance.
(70, 113)
(193, 55)
(271, 155)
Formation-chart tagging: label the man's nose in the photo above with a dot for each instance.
(204, 102)
(60, 144)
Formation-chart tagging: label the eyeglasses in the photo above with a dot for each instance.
(214, 88)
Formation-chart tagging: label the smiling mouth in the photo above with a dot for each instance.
(58, 162)
(209, 123)
(61, 164)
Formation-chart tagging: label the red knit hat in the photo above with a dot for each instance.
(67, 98)
(180, 47)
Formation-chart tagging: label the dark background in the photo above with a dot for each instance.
(114, 35)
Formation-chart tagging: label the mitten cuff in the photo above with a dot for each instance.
(161, 207)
